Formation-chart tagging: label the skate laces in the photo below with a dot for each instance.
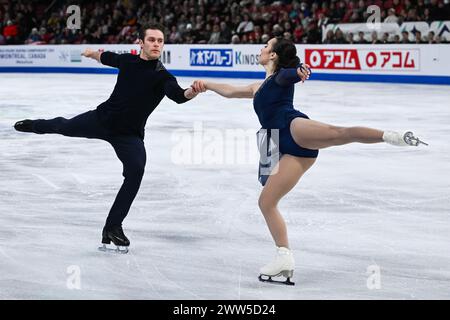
(283, 257)
(283, 251)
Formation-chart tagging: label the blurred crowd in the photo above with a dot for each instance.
(338, 37)
(210, 21)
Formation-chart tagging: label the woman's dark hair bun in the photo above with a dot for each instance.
(287, 54)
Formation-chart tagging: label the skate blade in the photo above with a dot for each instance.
(264, 278)
(410, 139)
(117, 249)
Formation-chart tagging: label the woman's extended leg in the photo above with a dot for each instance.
(289, 171)
(317, 135)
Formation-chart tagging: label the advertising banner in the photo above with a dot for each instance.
(385, 63)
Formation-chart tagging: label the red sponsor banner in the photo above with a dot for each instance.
(343, 59)
(363, 59)
(397, 59)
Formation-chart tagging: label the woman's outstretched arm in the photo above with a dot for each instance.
(289, 76)
(226, 90)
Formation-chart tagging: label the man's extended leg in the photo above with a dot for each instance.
(85, 125)
(131, 152)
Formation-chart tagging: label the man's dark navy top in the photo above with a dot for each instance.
(141, 85)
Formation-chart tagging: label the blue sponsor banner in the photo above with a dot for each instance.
(211, 57)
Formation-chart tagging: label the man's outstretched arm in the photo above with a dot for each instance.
(174, 92)
(93, 54)
(107, 58)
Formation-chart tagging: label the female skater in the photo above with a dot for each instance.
(299, 139)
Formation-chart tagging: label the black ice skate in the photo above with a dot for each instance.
(117, 237)
(24, 125)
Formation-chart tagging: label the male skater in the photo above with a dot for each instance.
(142, 83)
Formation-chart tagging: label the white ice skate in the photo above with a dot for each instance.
(406, 138)
(283, 265)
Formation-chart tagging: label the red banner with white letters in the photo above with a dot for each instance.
(364, 59)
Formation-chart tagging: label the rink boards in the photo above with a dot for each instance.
(399, 63)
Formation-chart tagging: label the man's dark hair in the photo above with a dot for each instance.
(147, 26)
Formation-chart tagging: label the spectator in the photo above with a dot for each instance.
(412, 15)
(225, 33)
(420, 8)
(396, 39)
(288, 36)
(305, 21)
(374, 38)
(434, 11)
(235, 39)
(339, 37)
(329, 37)
(287, 27)
(427, 16)
(361, 38)
(277, 31)
(312, 34)
(266, 29)
(257, 33)
(361, 11)
(350, 38)
(437, 39)
(339, 13)
(444, 8)
(190, 34)
(322, 21)
(397, 6)
(391, 18)
(10, 32)
(405, 37)
(174, 36)
(265, 38)
(245, 26)
(298, 33)
(431, 37)
(47, 36)
(203, 33)
(33, 37)
(418, 37)
(215, 35)
(385, 38)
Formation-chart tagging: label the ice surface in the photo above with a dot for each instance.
(196, 231)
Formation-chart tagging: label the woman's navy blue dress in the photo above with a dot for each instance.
(273, 103)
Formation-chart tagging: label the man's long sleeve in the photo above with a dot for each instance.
(173, 91)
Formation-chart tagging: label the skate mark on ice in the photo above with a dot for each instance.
(240, 278)
(78, 179)
(46, 181)
(152, 287)
(175, 283)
